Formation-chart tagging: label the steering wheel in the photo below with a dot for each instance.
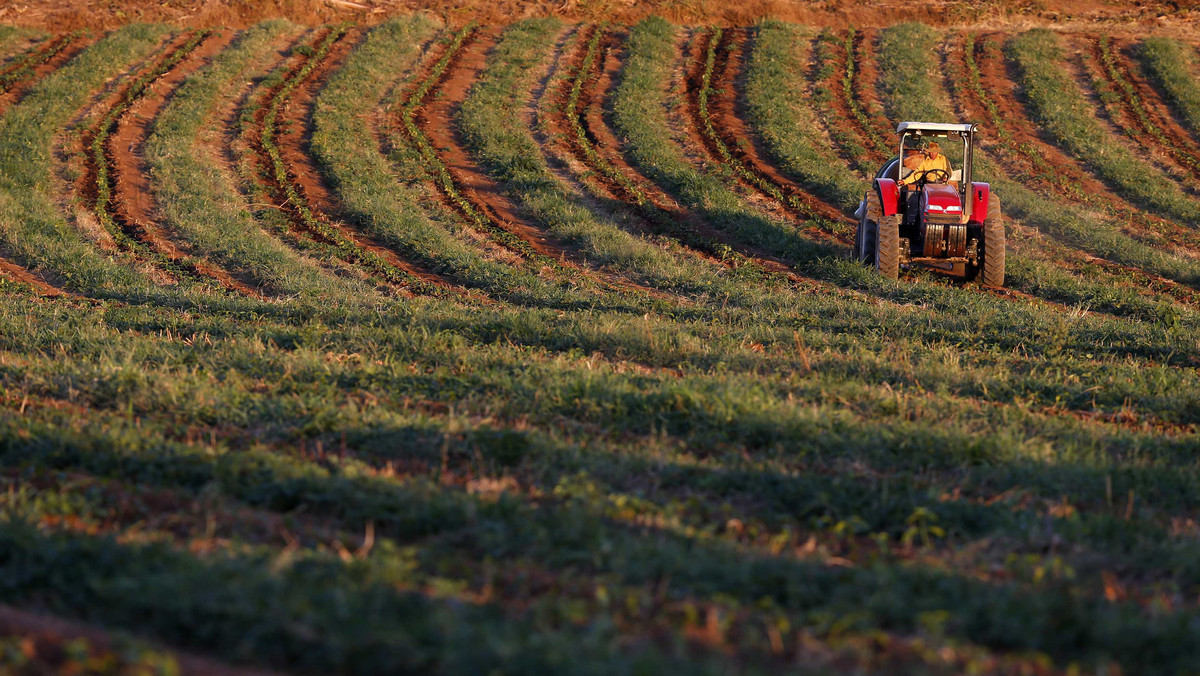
(935, 176)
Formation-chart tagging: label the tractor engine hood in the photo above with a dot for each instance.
(941, 199)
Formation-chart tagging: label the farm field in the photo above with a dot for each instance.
(537, 348)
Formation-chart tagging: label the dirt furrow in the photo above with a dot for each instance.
(132, 205)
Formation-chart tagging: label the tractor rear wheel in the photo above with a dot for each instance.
(866, 235)
(887, 249)
(993, 245)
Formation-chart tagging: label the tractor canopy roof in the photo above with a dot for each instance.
(934, 128)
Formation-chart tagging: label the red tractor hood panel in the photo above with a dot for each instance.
(942, 199)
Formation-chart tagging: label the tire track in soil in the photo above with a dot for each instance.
(294, 139)
(1016, 145)
(133, 201)
(435, 117)
(728, 114)
(657, 214)
(1171, 139)
(1043, 166)
(65, 48)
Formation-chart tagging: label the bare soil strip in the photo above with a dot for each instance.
(47, 635)
(727, 117)
(295, 138)
(133, 202)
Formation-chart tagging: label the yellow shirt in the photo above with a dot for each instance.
(927, 164)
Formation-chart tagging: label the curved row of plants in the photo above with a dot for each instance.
(774, 191)
(290, 191)
(24, 65)
(128, 235)
(198, 199)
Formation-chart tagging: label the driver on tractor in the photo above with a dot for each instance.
(932, 163)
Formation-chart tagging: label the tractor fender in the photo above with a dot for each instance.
(889, 195)
(978, 197)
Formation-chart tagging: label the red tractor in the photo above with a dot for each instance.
(922, 211)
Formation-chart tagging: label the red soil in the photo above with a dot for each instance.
(133, 203)
(294, 140)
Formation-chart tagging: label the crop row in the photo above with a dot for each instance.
(852, 91)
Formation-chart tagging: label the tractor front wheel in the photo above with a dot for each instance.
(867, 234)
(887, 249)
(993, 245)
